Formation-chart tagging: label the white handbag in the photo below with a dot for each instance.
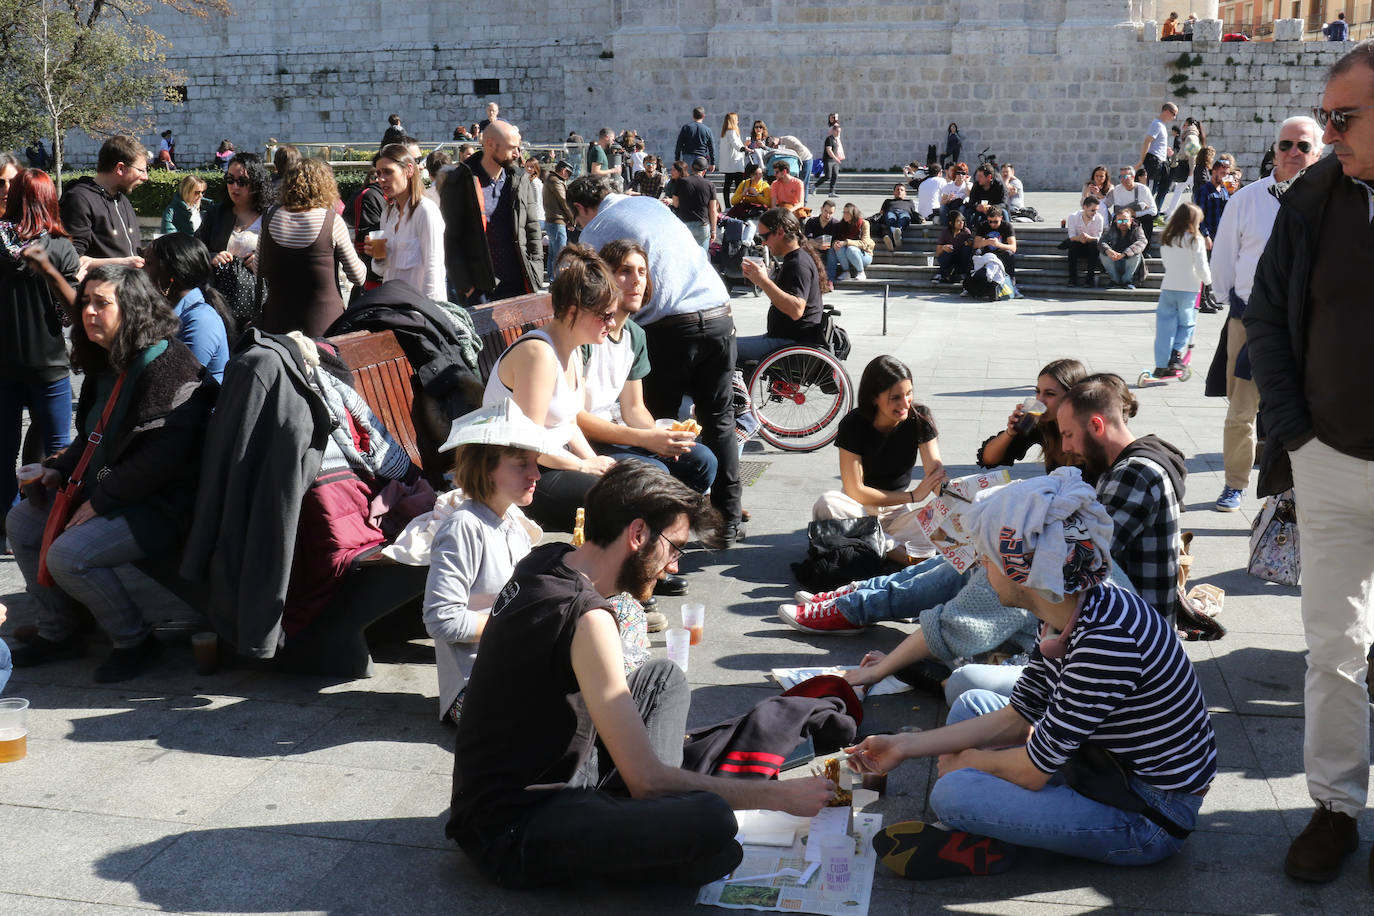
(1274, 555)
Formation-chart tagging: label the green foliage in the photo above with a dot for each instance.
(1184, 91)
(1185, 60)
(155, 194)
(1178, 78)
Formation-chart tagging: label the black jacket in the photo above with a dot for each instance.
(101, 225)
(152, 457)
(465, 238)
(1276, 320)
(263, 449)
(756, 744)
(216, 226)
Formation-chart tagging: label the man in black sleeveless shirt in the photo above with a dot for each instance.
(563, 768)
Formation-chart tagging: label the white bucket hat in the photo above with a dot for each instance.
(504, 423)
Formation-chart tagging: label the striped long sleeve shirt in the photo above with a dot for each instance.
(1127, 685)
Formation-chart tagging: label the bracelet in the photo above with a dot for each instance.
(912, 494)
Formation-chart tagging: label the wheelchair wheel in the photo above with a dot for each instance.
(800, 394)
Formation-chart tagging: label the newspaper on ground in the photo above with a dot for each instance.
(788, 678)
(942, 518)
(782, 880)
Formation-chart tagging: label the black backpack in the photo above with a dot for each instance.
(841, 550)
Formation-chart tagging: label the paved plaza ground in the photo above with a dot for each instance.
(245, 792)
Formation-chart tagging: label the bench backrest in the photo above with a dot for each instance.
(500, 324)
(382, 376)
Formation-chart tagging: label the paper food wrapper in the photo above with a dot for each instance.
(942, 518)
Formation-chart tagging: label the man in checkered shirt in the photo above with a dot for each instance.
(1139, 481)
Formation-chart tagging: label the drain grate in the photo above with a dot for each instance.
(750, 471)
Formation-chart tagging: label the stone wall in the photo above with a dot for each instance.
(1056, 86)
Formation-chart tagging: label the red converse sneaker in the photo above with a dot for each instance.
(808, 597)
(818, 617)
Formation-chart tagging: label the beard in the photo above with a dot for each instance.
(639, 573)
(1093, 460)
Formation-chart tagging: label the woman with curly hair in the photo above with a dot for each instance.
(302, 241)
(140, 482)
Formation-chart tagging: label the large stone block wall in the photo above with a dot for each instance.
(1056, 86)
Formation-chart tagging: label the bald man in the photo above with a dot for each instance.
(492, 239)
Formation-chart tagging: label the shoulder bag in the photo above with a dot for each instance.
(68, 498)
(1274, 555)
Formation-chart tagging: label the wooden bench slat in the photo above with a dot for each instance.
(382, 377)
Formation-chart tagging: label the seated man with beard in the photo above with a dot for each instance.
(563, 768)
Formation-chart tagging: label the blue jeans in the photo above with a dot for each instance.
(702, 233)
(50, 409)
(696, 467)
(754, 349)
(1120, 272)
(6, 665)
(958, 261)
(1056, 817)
(1174, 320)
(903, 594)
(897, 220)
(851, 258)
(558, 240)
(999, 679)
(806, 167)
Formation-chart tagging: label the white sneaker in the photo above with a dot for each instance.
(861, 276)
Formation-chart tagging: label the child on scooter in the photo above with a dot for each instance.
(1185, 271)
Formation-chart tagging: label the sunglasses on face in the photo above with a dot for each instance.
(240, 182)
(1302, 145)
(1338, 119)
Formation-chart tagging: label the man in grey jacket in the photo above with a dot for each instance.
(492, 238)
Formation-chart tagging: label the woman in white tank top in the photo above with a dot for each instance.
(542, 373)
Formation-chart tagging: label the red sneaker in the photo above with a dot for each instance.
(808, 597)
(818, 617)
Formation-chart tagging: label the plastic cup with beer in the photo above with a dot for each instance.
(1033, 410)
(14, 729)
(378, 239)
(206, 648)
(694, 620)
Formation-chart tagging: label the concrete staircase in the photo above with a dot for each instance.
(1042, 268)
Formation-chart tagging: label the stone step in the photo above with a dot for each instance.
(1037, 288)
(1039, 269)
(1049, 258)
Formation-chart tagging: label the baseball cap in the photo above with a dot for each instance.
(699, 164)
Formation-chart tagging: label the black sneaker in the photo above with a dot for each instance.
(1176, 360)
(40, 651)
(671, 586)
(129, 662)
(920, 852)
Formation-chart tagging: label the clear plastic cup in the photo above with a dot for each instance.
(679, 641)
(837, 866)
(1033, 411)
(14, 729)
(206, 648)
(694, 620)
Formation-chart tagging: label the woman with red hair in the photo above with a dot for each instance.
(37, 267)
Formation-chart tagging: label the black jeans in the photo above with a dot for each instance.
(597, 832)
(557, 497)
(732, 179)
(1083, 251)
(697, 358)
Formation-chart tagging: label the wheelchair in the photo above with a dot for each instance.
(800, 393)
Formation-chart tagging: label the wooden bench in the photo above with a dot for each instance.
(335, 642)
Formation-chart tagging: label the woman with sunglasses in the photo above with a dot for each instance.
(542, 372)
(414, 247)
(230, 231)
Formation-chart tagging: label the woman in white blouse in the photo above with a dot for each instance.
(732, 152)
(413, 250)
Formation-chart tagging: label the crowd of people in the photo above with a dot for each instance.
(1094, 742)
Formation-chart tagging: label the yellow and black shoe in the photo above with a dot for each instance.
(919, 851)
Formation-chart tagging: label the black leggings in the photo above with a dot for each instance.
(732, 179)
(557, 497)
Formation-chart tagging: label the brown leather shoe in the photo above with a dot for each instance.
(1318, 851)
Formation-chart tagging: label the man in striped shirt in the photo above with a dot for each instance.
(1104, 749)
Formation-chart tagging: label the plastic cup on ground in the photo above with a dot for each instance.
(1034, 410)
(694, 620)
(930, 260)
(916, 551)
(14, 729)
(206, 648)
(875, 782)
(29, 473)
(837, 866)
(679, 641)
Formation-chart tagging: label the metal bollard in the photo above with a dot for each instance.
(886, 288)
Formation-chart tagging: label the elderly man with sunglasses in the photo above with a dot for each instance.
(1241, 236)
(1310, 330)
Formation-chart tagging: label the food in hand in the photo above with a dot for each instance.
(843, 797)
(577, 536)
(687, 426)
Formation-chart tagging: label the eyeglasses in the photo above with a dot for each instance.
(1302, 145)
(765, 235)
(1338, 119)
(239, 182)
(604, 317)
(675, 552)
